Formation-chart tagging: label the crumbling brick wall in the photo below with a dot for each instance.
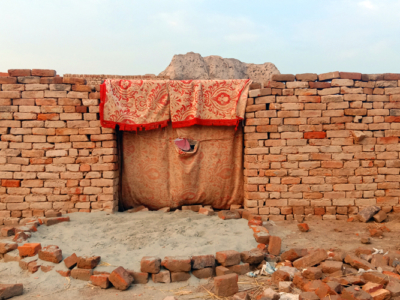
(323, 145)
(54, 155)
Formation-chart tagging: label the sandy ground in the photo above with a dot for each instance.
(121, 239)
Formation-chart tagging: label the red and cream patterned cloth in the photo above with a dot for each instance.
(149, 104)
(134, 104)
(208, 102)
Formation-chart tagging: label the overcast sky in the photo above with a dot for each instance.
(139, 37)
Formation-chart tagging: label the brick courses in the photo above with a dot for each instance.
(325, 148)
(54, 154)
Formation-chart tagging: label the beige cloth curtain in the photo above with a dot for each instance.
(157, 174)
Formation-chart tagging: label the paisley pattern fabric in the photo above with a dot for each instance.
(134, 104)
(156, 173)
(150, 104)
(208, 102)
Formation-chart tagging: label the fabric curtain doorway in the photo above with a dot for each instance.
(156, 173)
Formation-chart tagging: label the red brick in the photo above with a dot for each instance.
(350, 75)
(44, 117)
(10, 183)
(226, 285)
(312, 273)
(179, 276)
(43, 72)
(64, 273)
(228, 258)
(319, 85)
(100, 281)
(203, 261)
(19, 72)
(162, 277)
(29, 249)
(139, 277)
(33, 267)
(150, 264)
(387, 140)
(53, 221)
(312, 259)
(283, 77)
(203, 273)
(303, 227)
(221, 270)
(241, 269)
(85, 262)
(254, 256)
(81, 274)
(262, 237)
(7, 231)
(74, 80)
(51, 253)
(391, 76)
(292, 254)
(7, 247)
(120, 279)
(177, 263)
(315, 135)
(274, 246)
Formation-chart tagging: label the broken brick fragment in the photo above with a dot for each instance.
(46, 268)
(228, 214)
(7, 247)
(81, 274)
(33, 266)
(279, 276)
(7, 231)
(261, 237)
(163, 277)
(10, 290)
(64, 273)
(101, 281)
(303, 227)
(53, 221)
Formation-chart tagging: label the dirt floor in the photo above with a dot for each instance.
(322, 234)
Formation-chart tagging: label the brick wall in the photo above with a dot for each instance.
(322, 145)
(54, 155)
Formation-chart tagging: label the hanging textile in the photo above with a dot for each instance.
(134, 104)
(157, 173)
(208, 102)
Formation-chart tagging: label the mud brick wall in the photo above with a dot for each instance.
(54, 155)
(322, 145)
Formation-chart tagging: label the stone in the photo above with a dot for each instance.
(203, 261)
(194, 66)
(101, 281)
(150, 264)
(71, 261)
(10, 290)
(228, 214)
(367, 213)
(228, 258)
(81, 274)
(177, 263)
(120, 279)
(86, 262)
(163, 277)
(203, 273)
(51, 253)
(311, 259)
(179, 276)
(29, 249)
(226, 285)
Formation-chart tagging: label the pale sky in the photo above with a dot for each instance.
(140, 37)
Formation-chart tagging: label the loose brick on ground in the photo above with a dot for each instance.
(226, 285)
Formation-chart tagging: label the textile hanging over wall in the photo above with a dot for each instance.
(134, 104)
(157, 173)
(148, 104)
(208, 102)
